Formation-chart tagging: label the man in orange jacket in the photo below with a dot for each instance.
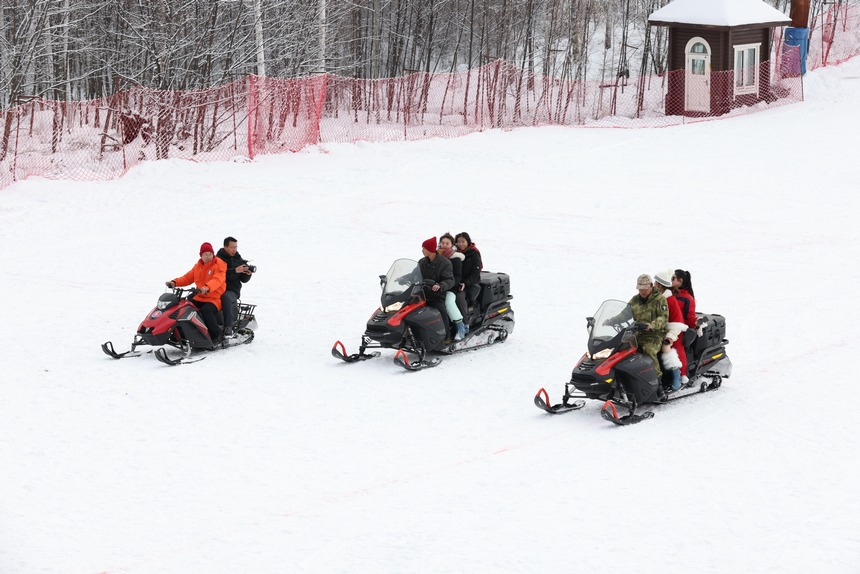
(209, 275)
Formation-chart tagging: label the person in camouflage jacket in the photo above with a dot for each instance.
(650, 307)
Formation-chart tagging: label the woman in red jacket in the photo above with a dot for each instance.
(209, 275)
(681, 282)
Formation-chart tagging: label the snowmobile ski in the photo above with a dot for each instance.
(401, 359)
(162, 356)
(473, 341)
(610, 413)
(543, 403)
(111, 352)
(338, 351)
(243, 337)
(704, 384)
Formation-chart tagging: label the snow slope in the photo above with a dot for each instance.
(276, 458)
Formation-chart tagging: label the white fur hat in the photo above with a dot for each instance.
(664, 278)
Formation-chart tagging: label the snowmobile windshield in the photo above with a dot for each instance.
(612, 322)
(399, 282)
(167, 300)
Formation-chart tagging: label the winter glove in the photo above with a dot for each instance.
(701, 323)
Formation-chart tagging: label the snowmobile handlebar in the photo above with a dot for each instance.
(637, 326)
(186, 293)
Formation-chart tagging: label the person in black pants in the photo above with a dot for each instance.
(472, 265)
(238, 273)
(437, 271)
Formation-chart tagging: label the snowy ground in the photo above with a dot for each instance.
(276, 458)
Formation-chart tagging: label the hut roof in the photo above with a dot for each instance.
(719, 13)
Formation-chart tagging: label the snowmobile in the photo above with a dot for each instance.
(405, 322)
(613, 371)
(175, 322)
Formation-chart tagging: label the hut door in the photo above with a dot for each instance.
(697, 88)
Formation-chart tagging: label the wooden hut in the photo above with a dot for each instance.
(719, 52)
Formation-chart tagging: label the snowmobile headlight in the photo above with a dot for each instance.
(161, 305)
(394, 307)
(600, 355)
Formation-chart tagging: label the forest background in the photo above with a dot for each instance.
(87, 49)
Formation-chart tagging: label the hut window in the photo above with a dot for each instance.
(746, 69)
(698, 48)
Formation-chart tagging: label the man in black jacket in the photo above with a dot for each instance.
(438, 272)
(238, 272)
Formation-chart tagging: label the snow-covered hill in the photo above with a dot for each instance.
(276, 458)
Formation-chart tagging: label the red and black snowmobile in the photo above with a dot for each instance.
(405, 322)
(176, 322)
(614, 372)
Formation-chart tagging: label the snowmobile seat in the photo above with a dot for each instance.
(472, 295)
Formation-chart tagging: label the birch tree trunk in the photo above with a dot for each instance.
(65, 55)
(375, 41)
(258, 37)
(322, 25)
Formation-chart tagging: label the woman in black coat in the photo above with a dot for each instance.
(472, 265)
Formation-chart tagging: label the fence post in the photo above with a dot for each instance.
(17, 132)
(252, 113)
(321, 99)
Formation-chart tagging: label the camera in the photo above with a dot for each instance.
(251, 268)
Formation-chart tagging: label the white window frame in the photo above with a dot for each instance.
(746, 88)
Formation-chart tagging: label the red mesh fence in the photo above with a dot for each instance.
(499, 95)
(102, 139)
(834, 36)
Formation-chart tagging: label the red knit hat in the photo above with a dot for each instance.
(206, 248)
(430, 244)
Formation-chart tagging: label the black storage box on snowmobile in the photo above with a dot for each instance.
(713, 334)
(494, 287)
